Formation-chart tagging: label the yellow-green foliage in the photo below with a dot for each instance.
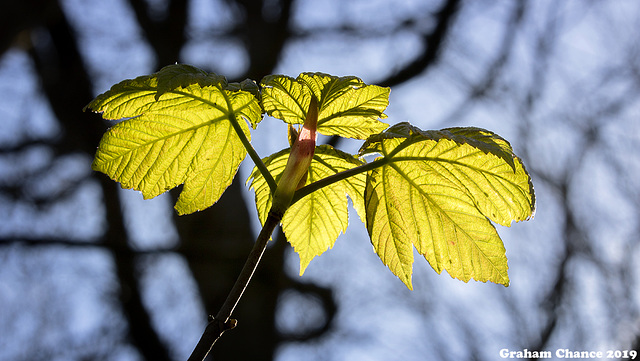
(435, 191)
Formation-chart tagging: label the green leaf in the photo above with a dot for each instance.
(313, 223)
(437, 191)
(348, 107)
(181, 125)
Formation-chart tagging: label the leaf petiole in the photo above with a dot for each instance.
(252, 152)
(262, 168)
(243, 138)
(310, 188)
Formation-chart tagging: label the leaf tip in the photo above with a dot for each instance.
(183, 210)
(406, 279)
(408, 283)
(304, 263)
(302, 269)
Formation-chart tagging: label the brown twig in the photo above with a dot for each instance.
(222, 321)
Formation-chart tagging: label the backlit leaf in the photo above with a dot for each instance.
(437, 191)
(348, 107)
(313, 223)
(181, 125)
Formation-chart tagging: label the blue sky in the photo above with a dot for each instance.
(572, 68)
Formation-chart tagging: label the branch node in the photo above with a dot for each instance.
(232, 323)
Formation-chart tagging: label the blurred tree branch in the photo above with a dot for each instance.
(67, 87)
(166, 34)
(432, 45)
(216, 241)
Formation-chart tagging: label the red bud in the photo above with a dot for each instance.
(297, 167)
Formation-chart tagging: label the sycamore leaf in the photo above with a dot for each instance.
(182, 125)
(314, 222)
(437, 191)
(348, 107)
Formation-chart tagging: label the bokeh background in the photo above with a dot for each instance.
(89, 271)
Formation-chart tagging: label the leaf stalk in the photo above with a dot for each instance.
(310, 188)
(262, 168)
